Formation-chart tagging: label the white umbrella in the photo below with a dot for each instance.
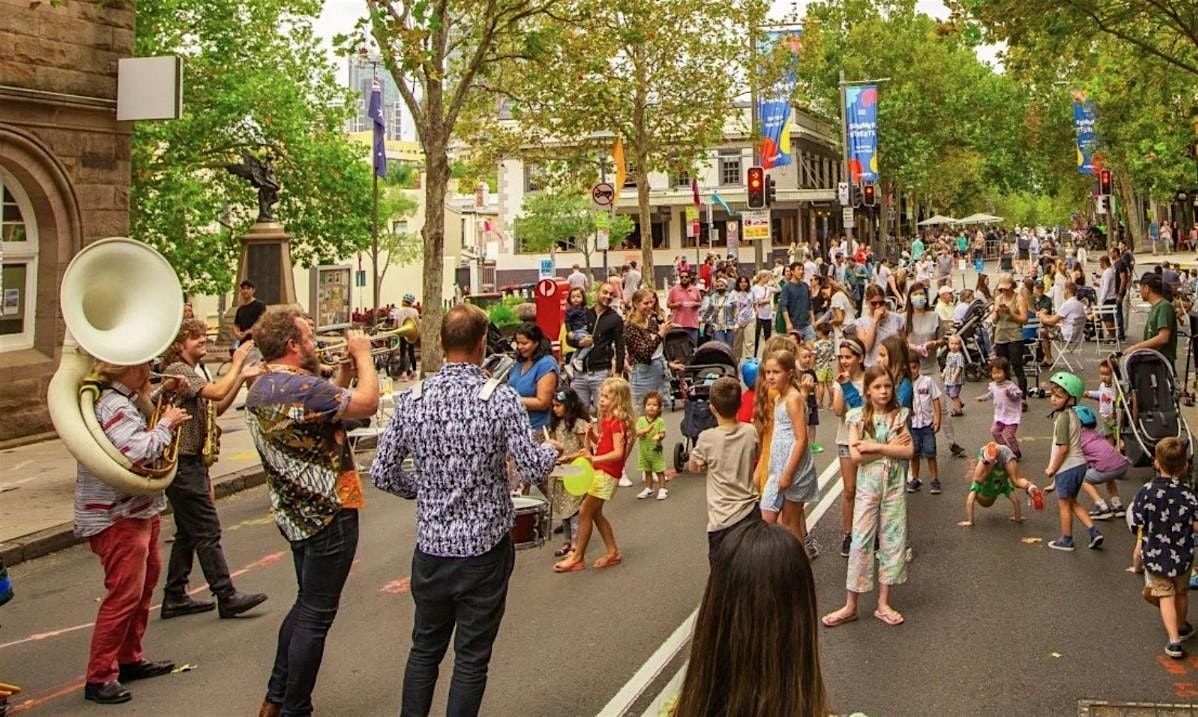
(938, 219)
(980, 219)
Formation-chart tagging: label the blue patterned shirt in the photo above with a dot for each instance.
(1167, 511)
(459, 443)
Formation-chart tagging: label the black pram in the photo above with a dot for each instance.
(712, 360)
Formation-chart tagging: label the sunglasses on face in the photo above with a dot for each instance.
(877, 303)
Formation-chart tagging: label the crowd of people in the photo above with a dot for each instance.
(874, 345)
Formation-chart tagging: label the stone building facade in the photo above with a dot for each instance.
(64, 166)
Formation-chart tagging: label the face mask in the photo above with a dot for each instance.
(919, 302)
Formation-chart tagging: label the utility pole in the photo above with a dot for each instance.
(844, 151)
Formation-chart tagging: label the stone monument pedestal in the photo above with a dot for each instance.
(266, 261)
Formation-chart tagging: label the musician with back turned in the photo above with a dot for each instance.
(459, 427)
(296, 420)
(197, 525)
(123, 531)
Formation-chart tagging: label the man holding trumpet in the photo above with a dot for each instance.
(197, 524)
(296, 420)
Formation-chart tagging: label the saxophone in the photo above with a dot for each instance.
(211, 450)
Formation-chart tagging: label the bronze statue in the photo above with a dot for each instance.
(262, 177)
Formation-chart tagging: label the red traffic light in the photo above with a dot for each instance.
(756, 187)
(869, 195)
(1104, 182)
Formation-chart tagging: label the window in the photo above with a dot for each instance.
(730, 168)
(681, 178)
(629, 174)
(534, 178)
(18, 279)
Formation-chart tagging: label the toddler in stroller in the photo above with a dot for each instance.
(1147, 406)
(712, 360)
(968, 324)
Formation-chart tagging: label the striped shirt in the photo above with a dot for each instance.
(99, 505)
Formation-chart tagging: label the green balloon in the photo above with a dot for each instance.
(578, 479)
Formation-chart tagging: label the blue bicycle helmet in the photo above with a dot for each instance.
(1086, 416)
(748, 371)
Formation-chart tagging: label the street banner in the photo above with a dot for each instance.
(774, 107)
(717, 199)
(1087, 138)
(617, 155)
(380, 129)
(861, 112)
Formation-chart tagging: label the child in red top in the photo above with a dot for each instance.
(609, 442)
(748, 397)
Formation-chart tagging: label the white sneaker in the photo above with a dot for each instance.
(644, 494)
(662, 494)
(625, 483)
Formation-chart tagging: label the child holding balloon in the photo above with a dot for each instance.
(568, 427)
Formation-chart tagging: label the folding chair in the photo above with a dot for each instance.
(1062, 347)
(1106, 328)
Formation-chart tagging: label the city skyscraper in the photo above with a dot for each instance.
(395, 112)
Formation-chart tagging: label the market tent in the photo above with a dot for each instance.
(937, 220)
(980, 219)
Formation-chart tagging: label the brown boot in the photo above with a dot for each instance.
(270, 709)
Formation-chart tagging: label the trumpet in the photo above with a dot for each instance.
(334, 350)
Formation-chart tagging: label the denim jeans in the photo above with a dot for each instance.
(587, 385)
(643, 378)
(465, 598)
(725, 336)
(322, 564)
(197, 533)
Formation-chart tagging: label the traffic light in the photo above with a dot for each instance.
(869, 195)
(771, 191)
(855, 195)
(1104, 182)
(756, 187)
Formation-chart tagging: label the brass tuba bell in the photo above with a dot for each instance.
(409, 330)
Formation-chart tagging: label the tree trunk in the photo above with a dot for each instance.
(437, 168)
(1131, 205)
(642, 204)
(642, 173)
(884, 209)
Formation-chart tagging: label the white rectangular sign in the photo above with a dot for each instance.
(847, 216)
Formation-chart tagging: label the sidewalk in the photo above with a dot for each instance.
(37, 487)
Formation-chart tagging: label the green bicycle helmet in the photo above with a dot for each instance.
(1071, 383)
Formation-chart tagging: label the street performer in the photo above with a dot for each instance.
(197, 525)
(295, 418)
(123, 531)
(460, 428)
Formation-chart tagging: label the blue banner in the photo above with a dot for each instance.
(861, 113)
(1087, 138)
(773, 110)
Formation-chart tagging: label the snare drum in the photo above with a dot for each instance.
(531, 527)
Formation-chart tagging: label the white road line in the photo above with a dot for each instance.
(619, 705)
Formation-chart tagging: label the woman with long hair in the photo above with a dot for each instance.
(642, 339)
(743, 295)
(1009, 314)
(535, 374)
(763, 302)
(760, 595)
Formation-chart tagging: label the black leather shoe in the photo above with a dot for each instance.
(106, 693)
(240, 602)
(186, 605)
(144, 670)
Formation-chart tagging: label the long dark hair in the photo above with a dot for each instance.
(575, 411)
(760, 596)
(533, 333)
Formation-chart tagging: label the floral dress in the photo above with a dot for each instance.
(880, 509)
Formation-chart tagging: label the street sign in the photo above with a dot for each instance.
(602, 239)
(756, 224)
(842, 193)
(732, 232)
(546, 269)
(847, 216)
(603, 195)
(547, 288)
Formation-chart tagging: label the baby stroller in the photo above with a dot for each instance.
(1147, 406)
(973, 344)
(712, 360)
(678, 348)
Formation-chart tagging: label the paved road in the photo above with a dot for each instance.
(993, 623)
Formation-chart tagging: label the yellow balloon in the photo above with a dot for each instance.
(578, 479)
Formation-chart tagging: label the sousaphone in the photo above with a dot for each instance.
(123, 304)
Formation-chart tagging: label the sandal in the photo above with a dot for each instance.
(836, 619)
(892, 618)
(609, 561)
(563, 551)
(569, 566)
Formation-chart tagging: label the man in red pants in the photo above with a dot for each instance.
(123, 531)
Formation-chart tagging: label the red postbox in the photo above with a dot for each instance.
(550, 296)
